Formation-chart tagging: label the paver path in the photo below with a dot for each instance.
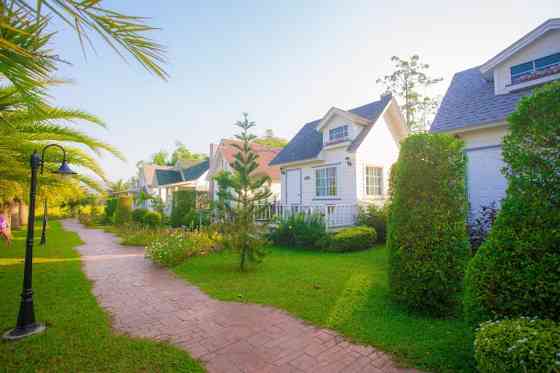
(147, 301)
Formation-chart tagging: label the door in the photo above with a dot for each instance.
(485, 182)
(293, 186)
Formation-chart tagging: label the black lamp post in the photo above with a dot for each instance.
(26, 324)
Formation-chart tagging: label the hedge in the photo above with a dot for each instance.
(518, 345)
(376, 218)
(516, 271)
(184, 201)
(123, 211)
(353, 239)
(138, 215)
(110, 208)
(427, 240)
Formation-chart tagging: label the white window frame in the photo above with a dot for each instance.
(370, 190)
(329, 189)
(334, 136)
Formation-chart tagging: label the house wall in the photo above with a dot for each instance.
(546, 45)
(380, 149)
(484, 136)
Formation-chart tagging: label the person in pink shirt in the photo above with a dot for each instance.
(5, 228)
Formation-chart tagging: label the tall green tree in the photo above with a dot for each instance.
(270, 140)
(409, 82)
(160, 158)
(183, 154)
(248, 191)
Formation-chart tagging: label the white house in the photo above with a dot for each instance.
(342, 160)
(162, 181)
(478, 101)
(223, 154)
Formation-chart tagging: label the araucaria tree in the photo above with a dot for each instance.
(248, 191)
(409, 82)
(427, 241)
(516, 271)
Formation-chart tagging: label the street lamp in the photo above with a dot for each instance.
(26, 324)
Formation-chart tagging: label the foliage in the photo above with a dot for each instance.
(376, 218)
(152, 219)
(110, 208)
(300, 230)
(353, 239)
(248, 190)
(480, 225)
(518, 345)
(138, 215)
(160, 158)
(124, 210)
(79, 333)
(177, 245)
(404, 82)
(271, 141)
(516, 271)
(223, 205)
(120, 186)
(345, 292)
(184, 201)
(427, 239)
(183, 154)
(135, 234)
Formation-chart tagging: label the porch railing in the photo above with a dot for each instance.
(335, 215)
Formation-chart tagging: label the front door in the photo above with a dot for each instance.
(293, 186)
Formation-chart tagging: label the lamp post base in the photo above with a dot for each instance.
(19, 333)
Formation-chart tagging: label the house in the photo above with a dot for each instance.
(479, 100)
(342, 160)
(222, 157)
(162, 181)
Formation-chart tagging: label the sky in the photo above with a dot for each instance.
(284, 62)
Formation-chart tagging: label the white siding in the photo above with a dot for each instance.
(546, 45)
(337, 121)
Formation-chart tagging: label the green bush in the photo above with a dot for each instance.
(176, 246)
(184, 201)
(151, 219)
(352, 239)
(374, 217)
(124, 210)
(138, 215)
(516, 271)
(300, 230)
(427, 241)
(518, 345)
(110, 208)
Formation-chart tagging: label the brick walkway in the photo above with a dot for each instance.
(147, 301)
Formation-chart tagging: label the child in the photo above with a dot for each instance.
(5, 228)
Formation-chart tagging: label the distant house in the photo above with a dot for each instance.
(223, 154)
(335, 163)
(479, 100)
(162, 181)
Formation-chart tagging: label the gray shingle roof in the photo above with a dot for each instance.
(470, 101)
(168, 177)
(195, 171)
(308, 142)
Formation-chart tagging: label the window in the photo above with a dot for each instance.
(535, 69)
(338, 133)
(374, 181)
(325, 182)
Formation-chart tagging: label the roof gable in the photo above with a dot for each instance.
(165, 177)
(227, 150)
(343, 113)
(194, 172)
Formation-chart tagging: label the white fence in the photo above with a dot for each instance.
(335, 215)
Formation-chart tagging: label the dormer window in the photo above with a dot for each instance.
(535, 69)
(338, 133)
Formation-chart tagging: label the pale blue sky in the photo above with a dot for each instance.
(282, 62)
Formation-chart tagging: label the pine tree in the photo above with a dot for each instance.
(248, 191)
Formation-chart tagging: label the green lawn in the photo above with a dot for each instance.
(346, 292)
(78, 337)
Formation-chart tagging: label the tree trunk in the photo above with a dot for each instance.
(13, 212)
(23, 213)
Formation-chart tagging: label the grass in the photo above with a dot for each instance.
(347, 292)
(79, 337)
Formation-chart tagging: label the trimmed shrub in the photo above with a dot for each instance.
(138, 215)
(123, 211)
(110, 208)
(427, 241)
(352, 239)
(300, 230)
(517, 270)
(518, 345)
(152, 219)
(374, 217)
(184, 201)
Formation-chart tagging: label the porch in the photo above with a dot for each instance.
(336, 216)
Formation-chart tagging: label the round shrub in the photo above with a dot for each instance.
(138, 215)
(352, 239)
(376, 218)
(151, 219)
(427, 241)
(306, 231)
(123, 211)
(516, 271)
(518, 345)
